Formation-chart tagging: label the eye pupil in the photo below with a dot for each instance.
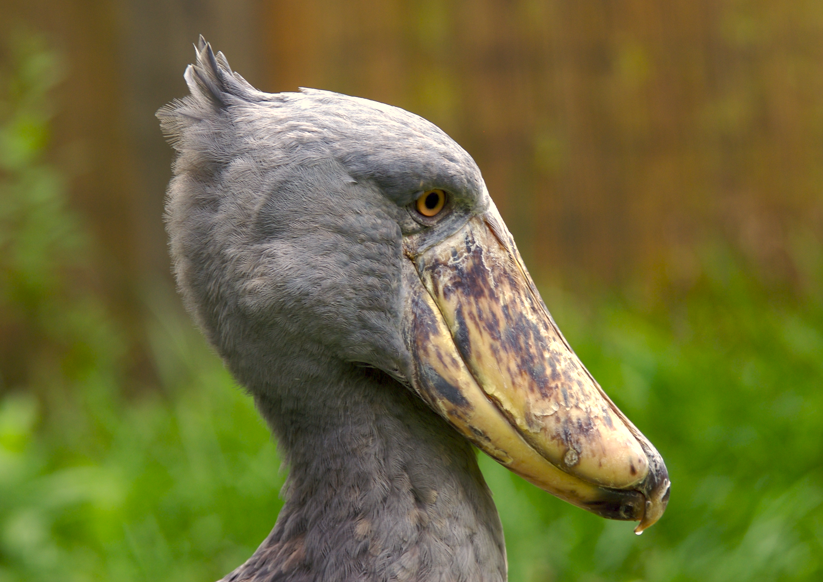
(431, 200)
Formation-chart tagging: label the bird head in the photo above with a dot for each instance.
(350, 232)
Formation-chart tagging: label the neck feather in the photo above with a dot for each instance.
(380, 488)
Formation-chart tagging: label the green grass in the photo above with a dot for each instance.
(160, 487)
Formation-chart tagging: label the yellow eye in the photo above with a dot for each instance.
(431, 203)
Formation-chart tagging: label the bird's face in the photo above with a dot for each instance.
(362, 233)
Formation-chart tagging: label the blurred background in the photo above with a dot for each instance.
(659, 163)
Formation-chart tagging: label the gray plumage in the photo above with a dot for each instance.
(287, 214)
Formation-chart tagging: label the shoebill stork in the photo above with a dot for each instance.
(346, 261)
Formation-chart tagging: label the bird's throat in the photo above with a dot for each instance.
(379, 488)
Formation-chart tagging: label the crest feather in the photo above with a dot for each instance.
(214, 87)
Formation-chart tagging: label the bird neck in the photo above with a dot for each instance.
(379, 488)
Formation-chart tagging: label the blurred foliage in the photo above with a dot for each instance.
(181, 483)
(94, 487)
(42, 242)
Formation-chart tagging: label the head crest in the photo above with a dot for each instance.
(213, 86)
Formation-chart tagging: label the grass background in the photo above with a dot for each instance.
(181, 482)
